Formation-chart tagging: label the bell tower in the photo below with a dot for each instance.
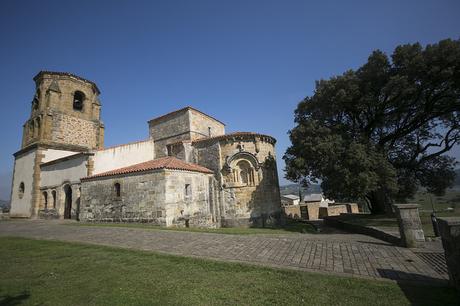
(65, 119)
(65, 113)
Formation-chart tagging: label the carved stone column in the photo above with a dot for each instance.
(450, 234)
(410, 226)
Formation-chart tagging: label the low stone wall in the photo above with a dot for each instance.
(292, 211)
(352, 208)
(310, 211)
(333, 210)
(314, 211)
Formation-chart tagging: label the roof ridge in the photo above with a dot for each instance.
(181, 110)
(166, 162)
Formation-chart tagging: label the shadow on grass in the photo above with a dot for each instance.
(409, 283)
(10, 300)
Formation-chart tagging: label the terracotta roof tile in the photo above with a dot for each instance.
(234, 134)
(169, 162)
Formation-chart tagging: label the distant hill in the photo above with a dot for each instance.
(294, 189)
(4, 204)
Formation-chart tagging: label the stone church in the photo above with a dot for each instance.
(189, 172)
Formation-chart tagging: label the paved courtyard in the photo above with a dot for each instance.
(346, 254)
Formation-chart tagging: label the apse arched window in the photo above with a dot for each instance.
(245, 173)
(21, 190)
(117, 189)
(78, 98)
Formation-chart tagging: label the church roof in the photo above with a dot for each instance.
(169, 162)
(69, 75)
(235, 135)
(181, 111)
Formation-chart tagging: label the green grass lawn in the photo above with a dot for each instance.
(37, 272)
(289, 228)
(450, 199)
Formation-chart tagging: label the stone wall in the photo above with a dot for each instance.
(193, 207)
(202, 125)
(62, 100)
(53, 101)
(75, 131)
(141, 199)
(184, 125)
(157, 197)
(333, 210)
(208, 156)
(258, 201)
(292, 211)
(171, 129)
(310, 211)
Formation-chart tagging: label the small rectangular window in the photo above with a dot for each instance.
(188, 190)
(117, 189)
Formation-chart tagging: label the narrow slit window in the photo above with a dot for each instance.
(188, 190)
(117, 188)
(21, 190)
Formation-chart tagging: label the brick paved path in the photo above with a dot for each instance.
(346, 254)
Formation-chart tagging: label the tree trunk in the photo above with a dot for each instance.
(380, 203)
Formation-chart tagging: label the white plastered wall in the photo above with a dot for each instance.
(51, 154)
(23, 172)
(123, 156)
(71, 170)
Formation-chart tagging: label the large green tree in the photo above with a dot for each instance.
(379, 132)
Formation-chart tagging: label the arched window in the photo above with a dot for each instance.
(21, 190)
(53, 194)
(117, 189)
(78, 98)
(245, 173)
(45, 200)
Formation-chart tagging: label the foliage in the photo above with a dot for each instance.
(56, 273)
(381, 131)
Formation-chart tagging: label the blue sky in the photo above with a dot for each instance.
(248, 63)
